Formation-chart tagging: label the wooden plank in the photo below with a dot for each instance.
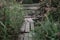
(31, 8)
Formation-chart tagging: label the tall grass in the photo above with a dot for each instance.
(13, 15)
(47, 30)
(50, 28)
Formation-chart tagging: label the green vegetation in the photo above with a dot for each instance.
(11, 20)
(47, 31)
(50, 28)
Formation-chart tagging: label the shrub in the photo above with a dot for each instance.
(13, 16)
(47, 31)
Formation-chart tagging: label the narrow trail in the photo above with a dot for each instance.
(28, 25)
(26, 29)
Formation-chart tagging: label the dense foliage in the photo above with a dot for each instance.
(49, 29)
(55, 12)
(11, 19)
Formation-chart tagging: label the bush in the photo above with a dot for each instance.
(13, 15)
(47, 31)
